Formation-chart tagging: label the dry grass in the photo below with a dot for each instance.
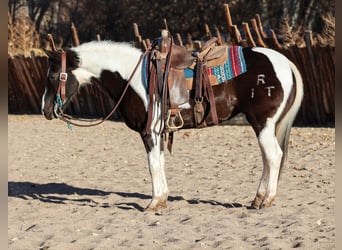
(327, 36)
(23, 37)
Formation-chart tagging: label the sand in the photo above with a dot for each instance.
(87, 189)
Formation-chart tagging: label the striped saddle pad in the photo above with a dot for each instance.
(234, 65)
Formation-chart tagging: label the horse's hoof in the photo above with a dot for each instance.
(257, 202)
(267, 202)
(155, 206)
(255, 205)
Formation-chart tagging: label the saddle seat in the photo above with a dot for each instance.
(182, 58)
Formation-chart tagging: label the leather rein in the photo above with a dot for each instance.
(61, 95)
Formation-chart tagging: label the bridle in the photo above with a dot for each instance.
(61, 96)
(63, 77)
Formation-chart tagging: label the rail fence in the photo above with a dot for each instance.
(27, 77)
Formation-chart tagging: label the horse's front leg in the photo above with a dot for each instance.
(156, 164)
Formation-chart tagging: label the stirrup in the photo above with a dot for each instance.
(170, 121)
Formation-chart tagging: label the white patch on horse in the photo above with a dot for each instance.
(43, 100)
(283, 72)
(44, 94)
(97, 56)
(272, 155)
(83, 76)
(156, 159)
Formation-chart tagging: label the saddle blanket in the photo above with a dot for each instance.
(234, 66)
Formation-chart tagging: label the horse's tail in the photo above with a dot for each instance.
(284, 125)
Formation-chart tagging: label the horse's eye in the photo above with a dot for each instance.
(53, 76)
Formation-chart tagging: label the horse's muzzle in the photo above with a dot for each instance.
(48, 112)
(49, 115)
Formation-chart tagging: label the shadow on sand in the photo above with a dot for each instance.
(61, 193)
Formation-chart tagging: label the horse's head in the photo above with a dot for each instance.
(61, 83)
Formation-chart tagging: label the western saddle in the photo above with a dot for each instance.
(168, 84)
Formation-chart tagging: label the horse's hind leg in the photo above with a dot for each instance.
(271, 155)
(261, 191)
(156, 164)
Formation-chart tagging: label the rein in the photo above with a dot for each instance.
(60, 97)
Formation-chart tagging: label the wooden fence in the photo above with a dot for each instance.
(317, 66)
(27, 76)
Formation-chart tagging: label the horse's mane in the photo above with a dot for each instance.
(115, 56)
(121, 57)
(106, 45)
(108, 48)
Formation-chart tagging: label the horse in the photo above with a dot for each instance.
(269, 94)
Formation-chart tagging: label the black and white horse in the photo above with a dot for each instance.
(269, 94)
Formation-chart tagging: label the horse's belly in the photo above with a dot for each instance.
(224, 101)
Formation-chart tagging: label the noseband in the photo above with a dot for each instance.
(63, 77)
(61, 96)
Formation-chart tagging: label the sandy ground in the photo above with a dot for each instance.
(87, 189)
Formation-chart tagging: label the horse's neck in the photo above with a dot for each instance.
(109, 58)
(120, 58)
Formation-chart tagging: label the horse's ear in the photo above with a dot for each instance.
(53, 55)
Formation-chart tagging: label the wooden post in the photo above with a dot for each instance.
(219, 37)
(165, 24)
(207, 31)
(190, 42)
(33, 96)
(148, 43)
(308, 39)
(229, 23)
(144, 45)
(15, 77)
(137, 35)
(314, 72)
(257, 33)
(197, 45)
(249, 38)
(260, 26)
(136, 30)
(275, 39)
(75, 35)
(228, 17)
(236, 35)
(98, 37)
(52, 42)
(179, 40)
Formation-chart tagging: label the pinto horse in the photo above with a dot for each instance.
(269, 94)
